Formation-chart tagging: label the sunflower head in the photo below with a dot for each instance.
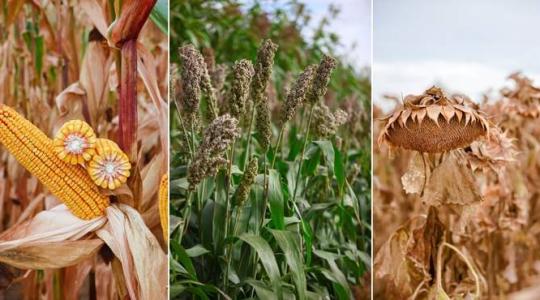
(110, 167)
(524, 98)
(75, 142)
(434, 123)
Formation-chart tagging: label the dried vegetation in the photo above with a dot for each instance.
(79, 213)
(456, 211)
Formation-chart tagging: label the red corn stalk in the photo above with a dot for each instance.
(127, 26)
(123, 34)
(128, 99)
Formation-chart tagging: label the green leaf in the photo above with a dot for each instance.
(313, 158)
(263, 292)
(207, 225)
(38, 54)
(196, 250)
(328, 151)
(275, 197)
(176, 290)
(267, 259)
(308, 239)
(179, 253)
(159, 15)
(338, 276)
(290, 248)
(181, 183)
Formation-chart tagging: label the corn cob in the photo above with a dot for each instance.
(163, 205)
(35, 151)
(110, 166)
(75, 142)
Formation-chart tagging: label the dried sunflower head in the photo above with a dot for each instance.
(434, 123)
(110, 167)
(524, 99)
(75, 142)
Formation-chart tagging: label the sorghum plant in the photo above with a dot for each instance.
(264, 199)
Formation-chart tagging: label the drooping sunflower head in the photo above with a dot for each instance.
(434, 123)
(75, 142)
(110, 167)
(523, 99)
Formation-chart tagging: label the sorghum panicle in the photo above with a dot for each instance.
(191, 78)
(263, 126)
(242, 73)
(208, 88)
(218, 76)
(297, 94)
(263, 70)
(322, 78)
(325, 123)
(209, 157)
(242, 192)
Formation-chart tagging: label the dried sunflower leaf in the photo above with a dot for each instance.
(413, 180)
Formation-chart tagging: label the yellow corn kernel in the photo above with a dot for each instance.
(110, 167)
(75, 142)
(163, 205)
(35, 152)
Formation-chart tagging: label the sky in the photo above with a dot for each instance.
(353, 26)
(464, 46)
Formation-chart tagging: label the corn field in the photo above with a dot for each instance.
(83, 149)
(455, 196)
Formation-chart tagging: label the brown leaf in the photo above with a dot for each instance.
(49, 226)
(50, 255)
(94, 79)
(70, 104)
(96, 14)
(144, 264)
(451, 183)
(413, 181)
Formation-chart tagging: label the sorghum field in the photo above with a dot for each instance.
(270, 163)
(83, 149)
(456, 211)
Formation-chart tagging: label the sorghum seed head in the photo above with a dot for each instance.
(242, 192)
(192, 72)
(433, 123)
(209, 157)
(218, 76)
(242, 73)
(263, 126)
(325, 123)
(207, 87)
(297, 94)
(322, 78)
(263, 70)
